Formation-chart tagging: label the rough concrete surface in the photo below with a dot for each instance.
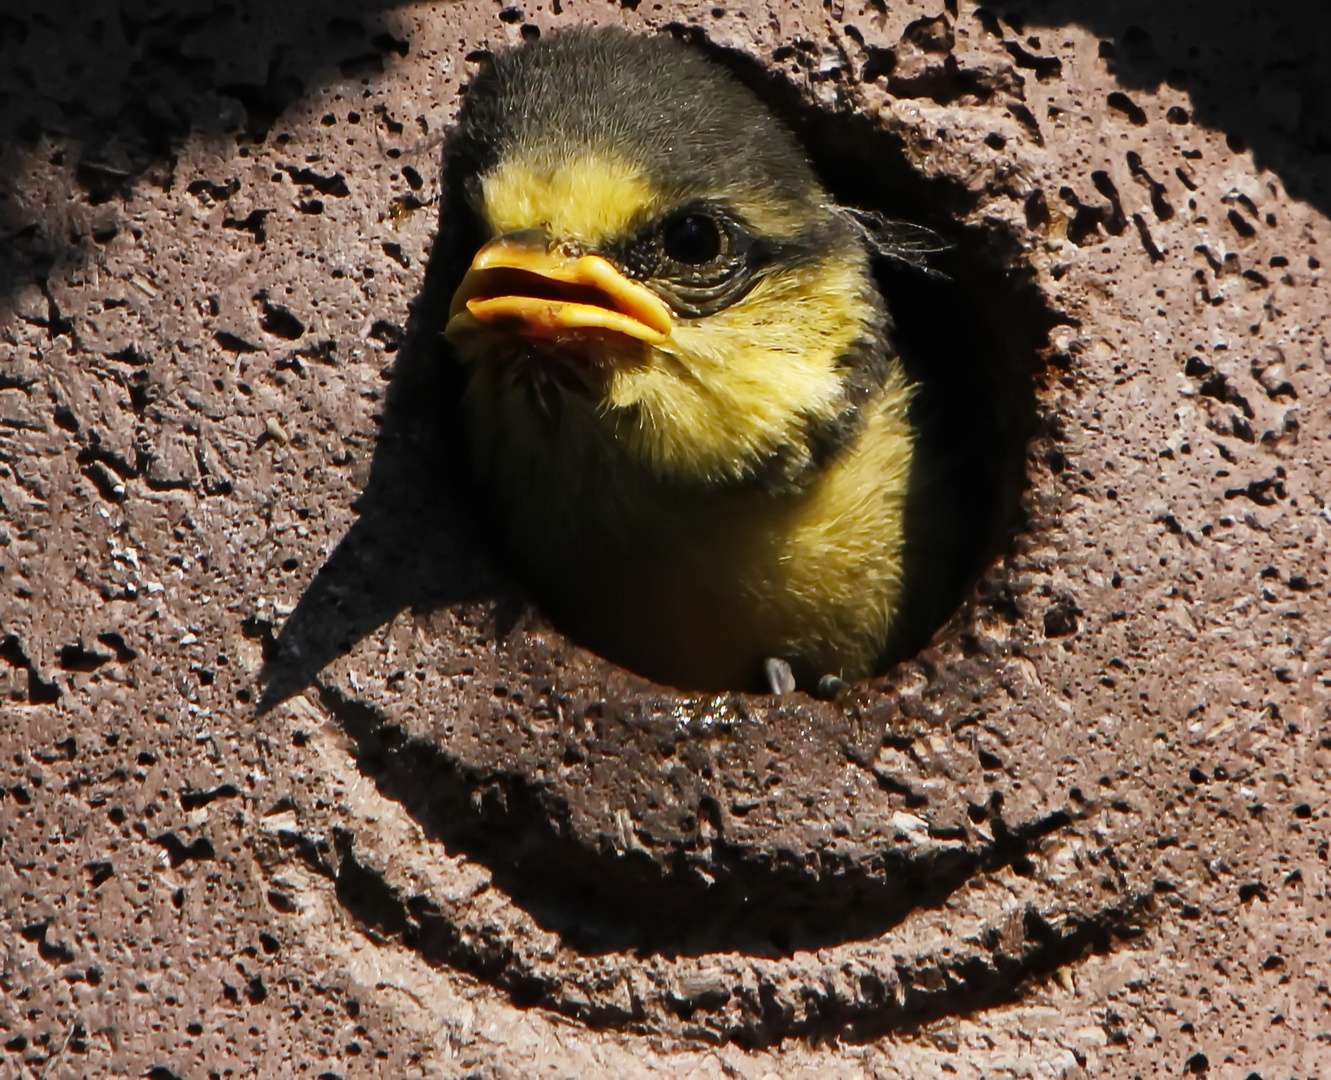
(293, 780)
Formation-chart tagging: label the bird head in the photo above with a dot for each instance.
(659, 269)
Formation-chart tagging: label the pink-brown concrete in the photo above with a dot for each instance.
(295, 783)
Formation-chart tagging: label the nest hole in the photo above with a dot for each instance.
(970, 332)
(971, 338)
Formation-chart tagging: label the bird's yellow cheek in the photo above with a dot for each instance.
(729, 390)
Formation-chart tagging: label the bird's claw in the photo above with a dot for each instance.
(830, 687)
(780, 679)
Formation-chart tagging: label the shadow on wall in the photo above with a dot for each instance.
(413, 545)
(111, 89)
(117, 87)
(1256, 71)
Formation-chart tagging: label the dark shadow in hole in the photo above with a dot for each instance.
(971, 341)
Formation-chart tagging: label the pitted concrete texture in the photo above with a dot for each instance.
(295, 782)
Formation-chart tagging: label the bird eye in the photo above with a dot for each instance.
(692, 239)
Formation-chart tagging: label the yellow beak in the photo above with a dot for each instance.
(516, 287)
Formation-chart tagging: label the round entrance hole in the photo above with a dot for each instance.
(968, 327)
(622, 824)
(624, 815)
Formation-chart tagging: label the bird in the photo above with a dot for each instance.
(679, 390)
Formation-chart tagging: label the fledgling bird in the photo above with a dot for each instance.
(681, 392)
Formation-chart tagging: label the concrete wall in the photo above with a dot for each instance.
(293, 780)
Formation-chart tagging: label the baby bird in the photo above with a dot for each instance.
(680, 392)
